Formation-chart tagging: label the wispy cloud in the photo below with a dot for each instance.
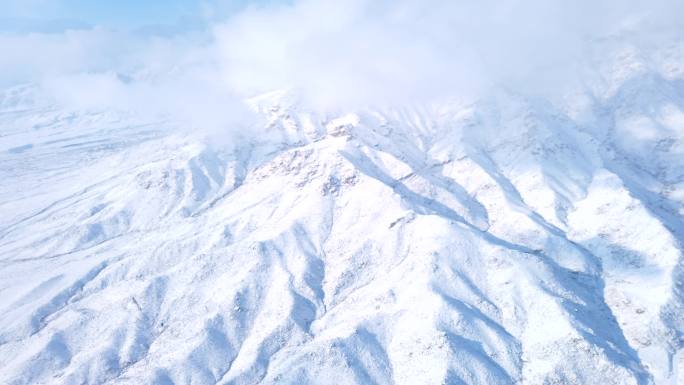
(332, 53)
(361, 50)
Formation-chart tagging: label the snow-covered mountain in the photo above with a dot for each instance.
(513, 240)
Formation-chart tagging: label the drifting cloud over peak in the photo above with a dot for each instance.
(334, 54)
(370, 51)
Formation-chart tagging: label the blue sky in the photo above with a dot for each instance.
(120, 13)
(129, 12)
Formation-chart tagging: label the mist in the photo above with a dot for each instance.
(363, 51)
(331, 54)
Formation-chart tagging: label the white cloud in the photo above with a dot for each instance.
(365, 51)
(334, 53)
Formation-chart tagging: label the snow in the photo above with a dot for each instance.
(513, 240)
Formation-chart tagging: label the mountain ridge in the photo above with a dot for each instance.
(512, 240)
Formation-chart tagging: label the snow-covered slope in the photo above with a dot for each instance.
(510, 241)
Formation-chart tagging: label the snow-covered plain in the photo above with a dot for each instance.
(515, 240)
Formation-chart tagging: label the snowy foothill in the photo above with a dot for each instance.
(190, 210)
